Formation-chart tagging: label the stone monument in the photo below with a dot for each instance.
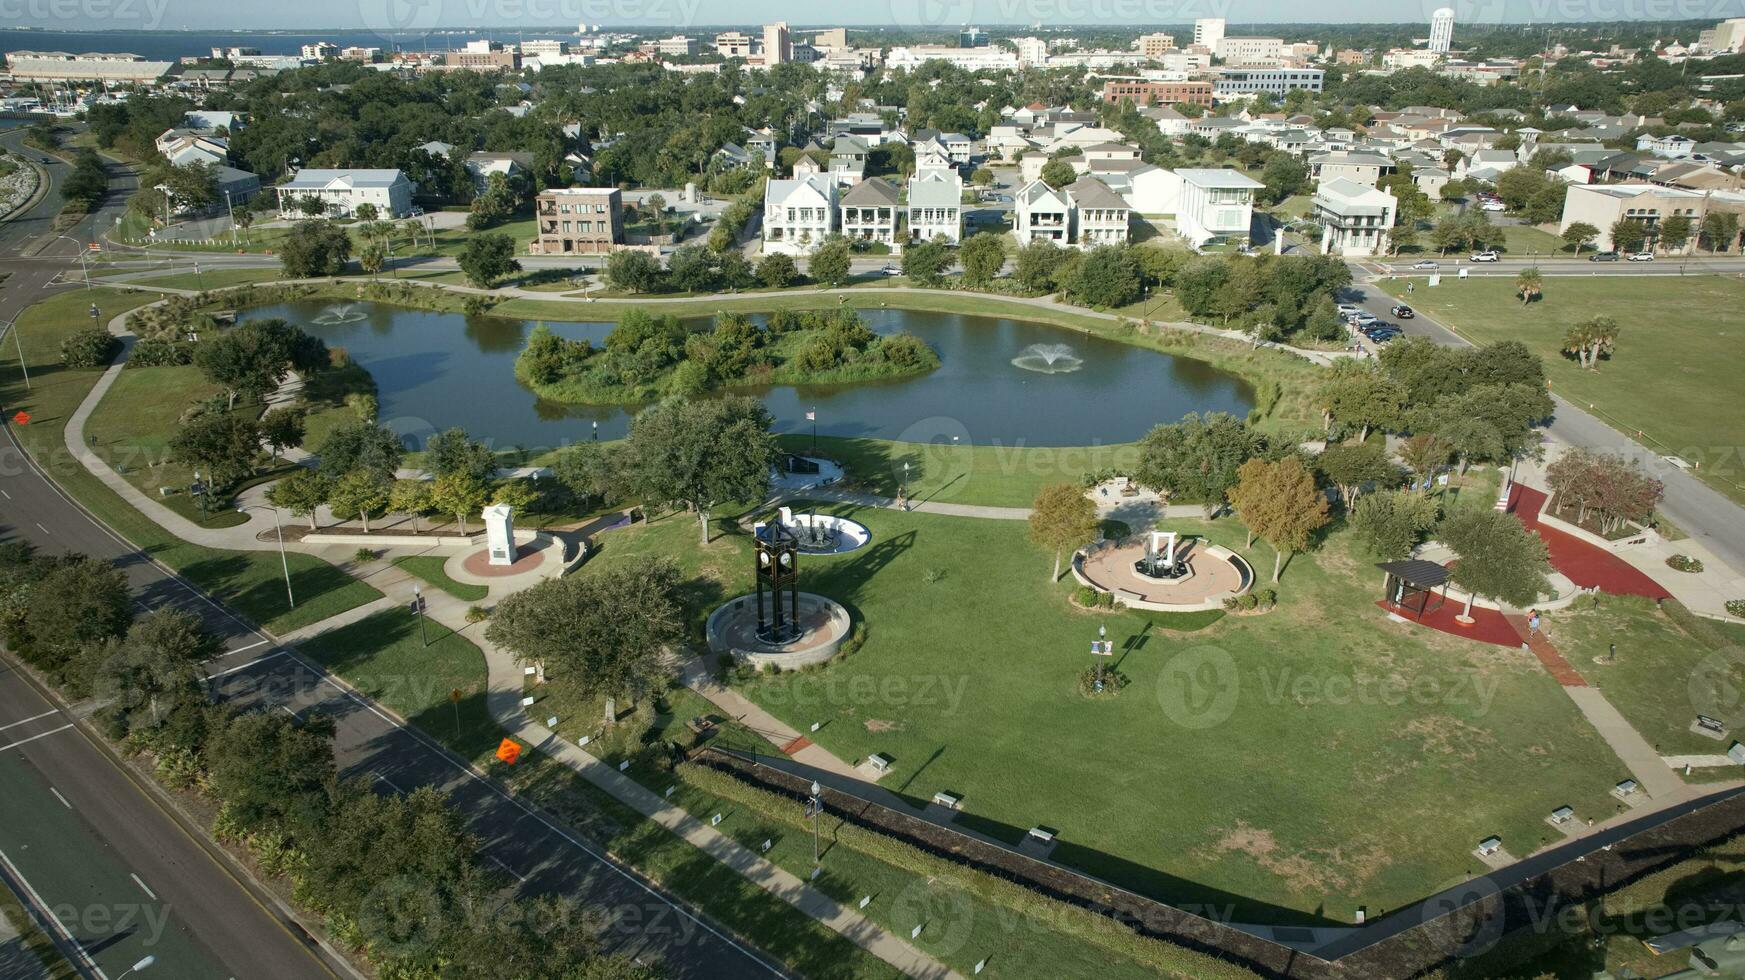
(500, 533)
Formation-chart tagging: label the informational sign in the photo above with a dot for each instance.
(508, 751)
(1103, 648)
(21, 418)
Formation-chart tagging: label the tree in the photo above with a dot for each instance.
(256, 356)
(830, 263)
(1352, 466)
(1280, 502)
(221, 444)
(1580, 235)
(982, 255)
(1198, 457)
(1605, 485)
(360, 492)
(362, 445)
(89, 348)
(777, 270)
(1283, 175)
(315, 248)
(487, 259)
(656, 205)
(272, 771)
(1391, 523)
(1062, 518)
(453, 451)
(700, 453)
(606, 634)
(366, 212)
(925, 263)
(1354, 394)
(1499, 558)
(302, 493)
(1720, 230)
(693, 269)
(1628, 235)
(412, 498)
(152, 682)
(1675, 232)
(1529, 285)
(1590, 340)
(77, 601)
(1108, 276)
(633, 271)
(1058, 173)
(459, 494)
(373, 258)
(1424, 454)
(283, 428)
(1037, 263)
(588, 470)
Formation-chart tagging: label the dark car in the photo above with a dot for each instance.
(1402, 312)
(1603, 257)
(1380, 331)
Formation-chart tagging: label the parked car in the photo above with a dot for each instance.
(1641, 256)
(1603, 257)
(1383, 334)
(1486, 256)
(1402, 312)
(1364, 320)
(1425, 264)
(1347, 310)
(1494, 206)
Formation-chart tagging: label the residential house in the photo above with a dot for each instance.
(577, 221)
(935, 205)
(869, 211)
(1487, 165)
(848, 156)
(1148, 189)
(1674, 145)
(1356, 219)
(1216, 205)
(483, 166)
(798, 214)
(1355, 166)
(1099, 215)
(1109, 151)
(1041, 213)
(930, 154)
(182, 147)
(1169, 121)
(343, 191)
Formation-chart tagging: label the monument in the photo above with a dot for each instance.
(1160, 560)
(777, 625)
(814, 533)
(500, 533)
(778, 571)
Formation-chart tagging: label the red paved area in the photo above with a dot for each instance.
(1553, 661)
(796, 745)
(1488, 626)
(479, 562)
(1587, 565)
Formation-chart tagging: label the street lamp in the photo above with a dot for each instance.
(144, 963)
(82, 266)
(815, 807)
(283, 561)
(1102, 639)
(596, 430)
(904, 496)
(18, 342)
(418, 607)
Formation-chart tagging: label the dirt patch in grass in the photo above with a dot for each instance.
(1306, 872)
(1449, 736)
(879, 726)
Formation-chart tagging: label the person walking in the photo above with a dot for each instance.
(1532, 623)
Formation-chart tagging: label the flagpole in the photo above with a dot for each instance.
(814, 414)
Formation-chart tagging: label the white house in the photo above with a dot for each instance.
(1216, 204)
(869, 211)
(482, 166)
(1355, 219)
(1100, 216)
(1673, 146)
(798, 214)
(1356, 166)
(1147, 188)
(930, 154)
(1041, 213)
(344, 190)
(935, 206)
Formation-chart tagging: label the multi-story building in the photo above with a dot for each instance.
(1355, 220)
(577, 221)
(869, 212)
(777, 49)
(484, 56)
(677, 46)
(1603, 205)
(972, 37)
(734, 44)
(969, 59)
(1442, 30)
(1155, 45)
(320, 51)
(1147, 93)
(545, 48)
(1250, 50)
(1099, 215)
(798, 214)
(833, 39)
(1278, 81)
(935, 206)
(1216, 205)
(1354, 166)
(342, 191)
(1041, 213)
(58, 66)
(1208, 31)
(1726, 37)
(1032, 51)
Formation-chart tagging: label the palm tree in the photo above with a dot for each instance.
(1576, 341)
(1529, 285)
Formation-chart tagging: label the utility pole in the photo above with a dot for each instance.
(18, 342)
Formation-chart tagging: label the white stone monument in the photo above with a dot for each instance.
(787, 518)
(1163, 543)
(500, 533)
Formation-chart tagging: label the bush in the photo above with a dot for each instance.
(1736, 607)
(477, 614)
(1684, 563)
(159, 352)
(363, 554)
(1085, 596)
(89, 348)
(1106, 600)
(1113, 682)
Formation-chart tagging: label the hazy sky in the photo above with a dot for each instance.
(420, 15)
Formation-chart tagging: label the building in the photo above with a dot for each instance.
(1216, 205)
(58, 66)
(320, 51)
(1355, 220)
(483, 166)
(545, 49)
(344, 190)
(972, 37)
(869, 212)
(733, 44)
(777, 49)
(798, 214)
(1148, 93)
(969, 59)
(1726, 37)
(1250, 50)
(1442, 30)
(182, 147)
(1412, 58)
(1247, 81)
(1099, 215)
(833, 39)
(935, 206)
(677, 46)
(1155, 45)
(1673, 146)
(1603, 205)
(577, 221)
(1355, 166)
(484, 56)
(1032, 51)
(1041, 213)
(1208, 31)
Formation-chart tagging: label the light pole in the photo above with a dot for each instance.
(83, 268)
(418, 607)
(284, 562)
(144, 963)
(231, 209)
(903, 497)
(815, 807)
(1102, 634)
(18, 342)
(596, 430)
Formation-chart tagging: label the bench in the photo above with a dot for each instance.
(1562, 814)
(948, 800)
(880, 762)
(1042, 834)
(1708, 724)
(1490, 845)
(1625, 788)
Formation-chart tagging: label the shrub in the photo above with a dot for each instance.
(1085, 596)
(363, 554)
(1113, 682)
(89, 348)
(1736, 607)
(1268, 597)
(1106, 600)
(1684, 563)
(477, 614)
(933, 576)
(159, 352)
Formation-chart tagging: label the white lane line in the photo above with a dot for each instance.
(33, 738)
(53, 920)
(251, 646)
(252, 663)
(21, 721)
(287, 709)
(5, 494)
(512, 873)
(385, 779)
(40, 527)
(143, 887)
(58, 796)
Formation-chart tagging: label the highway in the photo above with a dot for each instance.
(213, 922)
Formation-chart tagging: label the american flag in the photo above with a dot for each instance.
(812, 416)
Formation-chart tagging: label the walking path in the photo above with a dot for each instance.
(1645, 765)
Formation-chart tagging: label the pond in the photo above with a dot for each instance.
(1003, 382)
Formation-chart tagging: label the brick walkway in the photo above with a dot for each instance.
(1553, 661)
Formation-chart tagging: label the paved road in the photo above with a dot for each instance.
(1509, 266)
(1697, 508)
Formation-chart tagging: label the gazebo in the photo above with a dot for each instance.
(1410, 585)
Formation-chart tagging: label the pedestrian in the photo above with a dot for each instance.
(1533, 623)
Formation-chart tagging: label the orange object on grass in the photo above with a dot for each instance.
(21, 418)
(509, 750)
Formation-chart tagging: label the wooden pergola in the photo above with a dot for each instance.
(1410, 585)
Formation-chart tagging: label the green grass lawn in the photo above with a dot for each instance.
(1353, 762)
(1524, 241)
(430, 569)
(251, 582)
(212, 279)
(1001, 476)
(1674, 377)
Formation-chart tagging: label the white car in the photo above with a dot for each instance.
(1494, 206)
(1486, 256)
(1426, 264)
(1641, 256)
(1347, 310)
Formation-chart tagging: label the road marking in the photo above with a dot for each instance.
(5, 494)
(251, 646)
(54, 921)
(512, 873)
(33, 738)
(143, 887)
(252, 663)
(21, 721)
(385, 779)
(58, 796)
(44, 529)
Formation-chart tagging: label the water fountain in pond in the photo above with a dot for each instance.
(339, 313)
(1048, 359)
